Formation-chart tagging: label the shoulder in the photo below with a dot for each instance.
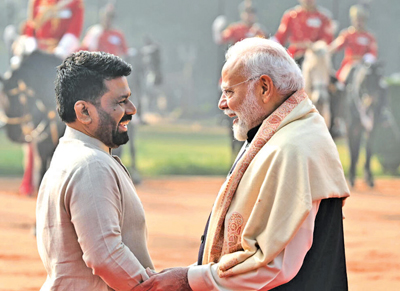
(235, 25)
(304, 137)
(76, 156)
(347, 31)
(292, 12)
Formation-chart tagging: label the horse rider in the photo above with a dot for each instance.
(104, 37)
(303, 25)
(54, 26)
(357, 42)
(247, 27)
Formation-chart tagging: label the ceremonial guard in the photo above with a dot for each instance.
(302, 26)
(103, 37)
(357, 42)
(247, 27)
(54, 26)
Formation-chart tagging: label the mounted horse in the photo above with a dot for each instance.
(29, 106)
(366, 96)
(317, 70)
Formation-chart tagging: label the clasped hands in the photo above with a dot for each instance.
(172, 279)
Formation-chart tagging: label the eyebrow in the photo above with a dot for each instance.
(224, 86)
(125, 96)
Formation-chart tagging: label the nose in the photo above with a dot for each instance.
(222, 104)
(130, 108)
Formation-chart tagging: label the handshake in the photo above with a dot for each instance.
(168, 279)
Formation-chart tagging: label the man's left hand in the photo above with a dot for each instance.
(168, 280)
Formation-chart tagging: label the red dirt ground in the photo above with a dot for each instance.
(177, 209)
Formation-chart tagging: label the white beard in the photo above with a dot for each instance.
(249, 115)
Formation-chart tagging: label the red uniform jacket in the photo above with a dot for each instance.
(238, 31)
(113, 41)
(299, 26)
(355, 44)
(48, 24)
(110, 41)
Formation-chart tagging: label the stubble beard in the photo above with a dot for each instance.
(108, 133)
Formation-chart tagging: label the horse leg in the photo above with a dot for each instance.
(354, 138)
(367, 167)
(368, 176)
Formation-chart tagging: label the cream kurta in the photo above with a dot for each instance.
(91, 229)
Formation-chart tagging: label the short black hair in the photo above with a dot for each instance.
(81, 76)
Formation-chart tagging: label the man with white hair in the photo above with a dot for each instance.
(277, 220)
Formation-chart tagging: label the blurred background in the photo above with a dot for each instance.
(181, 144)
(183, 131)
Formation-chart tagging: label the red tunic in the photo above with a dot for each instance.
(355, 44)
(238, 31)
(299, 25)
(113, 41)
(110, 41)
(48, 25)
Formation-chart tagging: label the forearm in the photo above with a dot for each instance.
(280, 270)
(118, 268)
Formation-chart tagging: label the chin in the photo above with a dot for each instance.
(240, 132)
(120, 139)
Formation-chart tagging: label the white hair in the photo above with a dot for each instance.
(262, 56)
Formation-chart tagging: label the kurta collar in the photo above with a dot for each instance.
(252, 133)
(71, 133)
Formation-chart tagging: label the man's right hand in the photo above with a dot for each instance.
(168, 280)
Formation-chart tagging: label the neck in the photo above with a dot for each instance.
(252, 133)
(80, 127)
(359, 28)
(279, 100)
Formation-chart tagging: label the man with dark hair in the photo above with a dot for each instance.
(91, 229)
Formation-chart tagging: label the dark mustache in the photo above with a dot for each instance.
(125, 118)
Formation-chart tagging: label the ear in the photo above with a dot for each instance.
(82, 111)
(267, 88)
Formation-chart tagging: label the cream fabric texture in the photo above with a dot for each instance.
(91, 229)
(291, 162)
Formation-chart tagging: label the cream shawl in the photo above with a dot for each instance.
(291, 162)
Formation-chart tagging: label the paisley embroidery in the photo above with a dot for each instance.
(235, 226)
(264, 134)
